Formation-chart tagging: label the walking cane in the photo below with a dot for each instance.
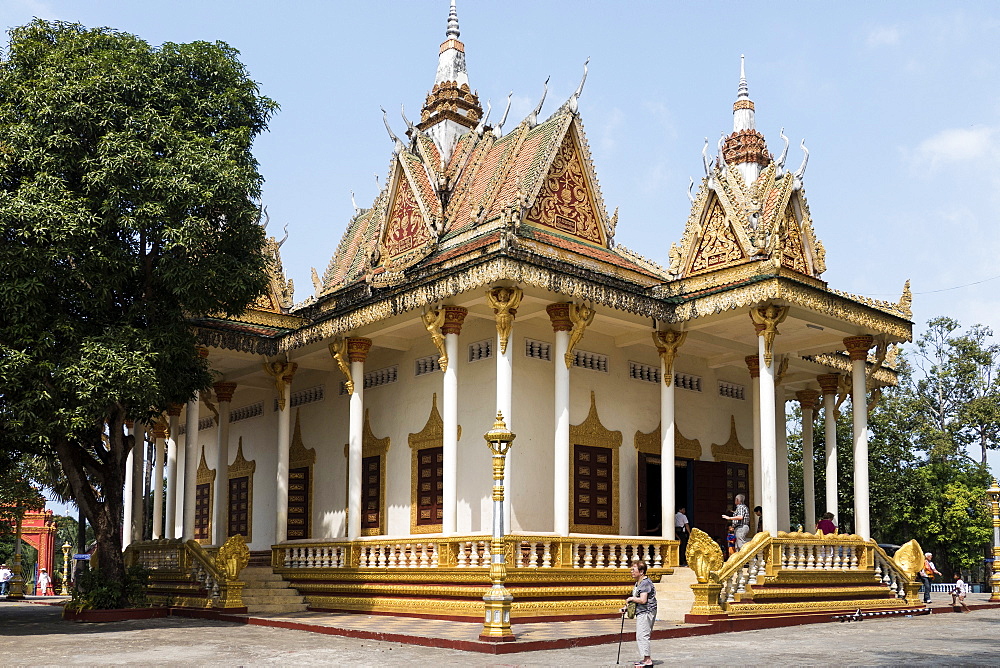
(618, 660)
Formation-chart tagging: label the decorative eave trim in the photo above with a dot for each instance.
(477, 275)
(238, 341)
(255, 317)
(841, 362)
(792, 292)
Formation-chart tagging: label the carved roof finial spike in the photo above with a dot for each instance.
(574, 100)
(453, 32)
(399, 145)
(499, 126)
(533, 118)
(744, 90)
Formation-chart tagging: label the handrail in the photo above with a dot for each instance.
(217, 575)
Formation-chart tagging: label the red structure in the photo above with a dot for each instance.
(38, 529)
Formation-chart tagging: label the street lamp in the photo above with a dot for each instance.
(496, 626)
(65, 585)
(16, 592)
(993, 493)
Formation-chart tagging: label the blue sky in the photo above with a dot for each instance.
(898, 104)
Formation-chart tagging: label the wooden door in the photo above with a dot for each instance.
(708, 500)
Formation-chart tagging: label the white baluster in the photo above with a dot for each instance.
(658, 555)
(424, 560)
(487, 555)
(547, 554)
(588, 556)
(462, 561)
(286, 558)
(854, 559)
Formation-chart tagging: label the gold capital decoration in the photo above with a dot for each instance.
(807, 398)
(433, 320)
(766, 319)
(224, 392)
(282, 373)
(581, 315)
(174, 410)
(667, 342)
(160, 428)
(753, 365)
(357, 349)
(338, 350)
(504, 302)
(858, 346)
(828, 382)
(454, 317)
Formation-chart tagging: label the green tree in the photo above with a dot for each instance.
(128, 203)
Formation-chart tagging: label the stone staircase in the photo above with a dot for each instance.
(674, 596)
(265, 592)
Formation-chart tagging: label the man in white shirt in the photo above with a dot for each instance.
(5, 577)
(683, 531)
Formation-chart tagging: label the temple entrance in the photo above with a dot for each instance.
(649, 489)
(709, 500)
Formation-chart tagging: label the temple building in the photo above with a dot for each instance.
(344, 434)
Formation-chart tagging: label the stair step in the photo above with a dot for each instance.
(268, 600)
(281, 608)
(266, 584)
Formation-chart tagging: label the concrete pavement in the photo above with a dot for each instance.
(33, 634)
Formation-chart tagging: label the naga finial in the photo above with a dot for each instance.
(574, 99)
(533, 117)
(499, 126)
(357, 209)
(392, 135)
(704, 158)
(411, 131)
(690, 188)
(482, 122)
(801, 171)
(780, 162)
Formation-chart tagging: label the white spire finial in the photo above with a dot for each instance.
(744, 90)
(453, 32)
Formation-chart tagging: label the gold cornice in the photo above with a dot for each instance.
(841, 362)
(204, 474)
(685, 448)
(480, 276)
(731, 450)
(298, 454)
(592, 433)
(255, 317)
(431, 436)
(238, 469)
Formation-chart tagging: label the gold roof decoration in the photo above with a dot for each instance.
(280, 292)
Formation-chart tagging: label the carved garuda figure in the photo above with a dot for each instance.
(703, 555)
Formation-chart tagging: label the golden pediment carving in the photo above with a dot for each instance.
(204, 474)
(298, 454)
(685, 448)
(240, 466)
(732, 450)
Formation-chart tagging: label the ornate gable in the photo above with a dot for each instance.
(408, 232)
(566, 201)
(718, 243)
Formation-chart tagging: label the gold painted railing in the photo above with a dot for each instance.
(523, 551)
(187, 574)
(800, 556)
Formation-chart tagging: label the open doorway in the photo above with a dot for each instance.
(649, 490)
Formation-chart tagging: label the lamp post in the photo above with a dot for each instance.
(65, 584)
(496, 626)
(993, 493)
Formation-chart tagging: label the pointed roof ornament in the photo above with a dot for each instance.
(780, 162)
(399, 148)
(499, 126)
(486, 117)
(745, 149)
(533, 117)
(573, 101)
(453, 32)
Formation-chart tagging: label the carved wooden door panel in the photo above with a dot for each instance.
(299, 507)
(709, 501)
(592, 485)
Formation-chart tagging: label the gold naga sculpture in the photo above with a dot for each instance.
(703, 555)
(910, 558)
(232, 557)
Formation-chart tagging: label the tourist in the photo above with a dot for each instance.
(5, 577)
(758, 511)
(644, 597)
(927, 573)
(826, 524)
(959, 592)
(44, 583)
(683, 529)
(741, 518)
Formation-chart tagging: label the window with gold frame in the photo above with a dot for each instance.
(203, 501)
(426, 473)
(301, 462)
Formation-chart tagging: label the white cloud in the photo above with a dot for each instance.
(958, 145)
(884, 36)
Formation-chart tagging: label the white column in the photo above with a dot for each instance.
(357, 351)
(753, 365)
(454, 316)
(180, 493)
(128, 494)
(159, 436)
(667, 448)
(560, 450)
(284, 388)
(807, 400)
(505, 388)
(220, 504)
(768, 446)
(829, 383)
(781, 459)
(857, 347)
(171, 525)
(191, 460)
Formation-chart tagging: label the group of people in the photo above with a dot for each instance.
(959, 589)
(43, 585)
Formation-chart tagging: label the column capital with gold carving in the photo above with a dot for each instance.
(829, 383)
(358, 348)
(174, 410)
(224, 391)
(454, 318)
(753, 365)
(160, 429)
(807, 398)
(559, 316)
(858, 346)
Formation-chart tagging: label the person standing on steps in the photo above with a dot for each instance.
(683, 529)
(741, 518)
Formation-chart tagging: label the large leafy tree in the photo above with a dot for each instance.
(128, 203)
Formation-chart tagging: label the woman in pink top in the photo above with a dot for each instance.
(826, 524)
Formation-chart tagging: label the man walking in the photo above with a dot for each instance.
(5, 577)
(741, 519)
(683, 532)
(927, 573)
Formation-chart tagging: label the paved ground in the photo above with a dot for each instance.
(36, 635)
